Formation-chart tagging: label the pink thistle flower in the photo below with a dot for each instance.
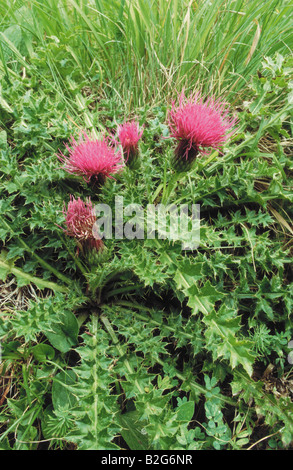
(129, 135)
(92, 159)
(196, 125)
(80, 219)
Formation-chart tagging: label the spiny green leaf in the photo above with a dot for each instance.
(132, 431)
(203, 299)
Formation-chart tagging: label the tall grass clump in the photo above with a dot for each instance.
(141, 50)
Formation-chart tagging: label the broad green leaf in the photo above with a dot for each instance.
(43, 352)
(185, 411)
(132, 431)
(62, 396)
(63, 335)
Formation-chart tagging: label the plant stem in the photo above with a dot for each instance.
(39, 282)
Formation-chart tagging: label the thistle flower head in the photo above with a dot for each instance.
(198, 124)
(129, 135)
(91, 158)
(80, 219)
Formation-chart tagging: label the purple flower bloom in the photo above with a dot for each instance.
(198, 124)
(92, 159)
(129, 135)
(80, 219)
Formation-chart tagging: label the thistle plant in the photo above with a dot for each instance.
(136, 343)
(198, 124)
(80, 221)
(129, 135)
(94, 160)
